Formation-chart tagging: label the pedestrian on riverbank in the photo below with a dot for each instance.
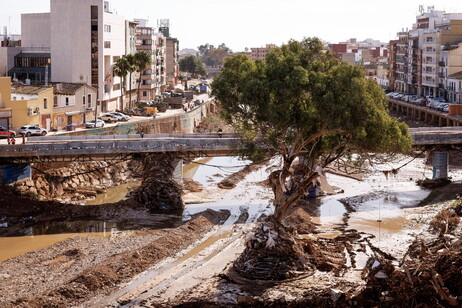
(8, 139)
(220, 133)
(23, 139)
(13, 141)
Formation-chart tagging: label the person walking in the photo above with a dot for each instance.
(8, 140)
(13, 141)
(220, 133)
(23, 139)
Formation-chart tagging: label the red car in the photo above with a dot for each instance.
(5, 132)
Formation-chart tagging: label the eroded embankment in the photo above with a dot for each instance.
(78, 269)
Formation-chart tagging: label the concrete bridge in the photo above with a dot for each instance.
(52, 149)
(113, 147)
(110, 147)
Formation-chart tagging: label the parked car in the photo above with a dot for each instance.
(434, 103)
(108, 117)
(441, 106)
(421, 101)
(446, 109)
(29, 130)
(120, 116)
(91, 124)
(5, 132)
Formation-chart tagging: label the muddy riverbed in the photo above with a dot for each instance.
(187, 260)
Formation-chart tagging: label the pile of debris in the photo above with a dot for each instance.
(429, 276)
(433, 183)
(272, 254)
(159, 192)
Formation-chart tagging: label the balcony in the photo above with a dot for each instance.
(147, 86)
(143, 47)
(442, 64)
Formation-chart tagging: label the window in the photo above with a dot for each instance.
(83, 100)
(67, 101)
(107, 28)
(45, 103)
(55, 101)
(107, 44)
(89, 100)
(115, 58)
(145, 93)
(116, 87)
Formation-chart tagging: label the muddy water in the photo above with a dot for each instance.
(114, 194)
(49, 233)
(14, 246)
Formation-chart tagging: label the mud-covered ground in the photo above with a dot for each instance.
(190, 263)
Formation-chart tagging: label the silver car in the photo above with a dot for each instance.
(29, 130)
(120, 116)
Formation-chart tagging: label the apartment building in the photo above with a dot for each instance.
(84, 39)
(260, 53)
(417, 60)
(146, 41)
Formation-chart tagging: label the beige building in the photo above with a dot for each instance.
(73, 104)
(5, 98)
(31, 105)
(260, 53)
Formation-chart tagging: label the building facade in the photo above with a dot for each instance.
(259, 53)
(73, 104)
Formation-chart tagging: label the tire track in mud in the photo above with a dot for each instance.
(200, 261)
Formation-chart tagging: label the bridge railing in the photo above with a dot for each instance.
(46, 139)
(141, 145)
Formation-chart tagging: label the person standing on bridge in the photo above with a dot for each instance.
(23, 139)
(13, 141)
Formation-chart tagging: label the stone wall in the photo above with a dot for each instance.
(75, 183)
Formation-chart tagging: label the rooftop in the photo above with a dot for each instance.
(29, 90)
(63, 88)
(456, 76)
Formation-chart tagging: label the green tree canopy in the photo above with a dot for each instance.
(121, 69)
(193, 65)
(212, 55)
(304, 103)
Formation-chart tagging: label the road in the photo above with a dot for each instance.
(168, 113)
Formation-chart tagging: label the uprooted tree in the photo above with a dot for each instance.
(306, 106)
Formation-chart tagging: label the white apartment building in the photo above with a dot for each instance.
(85, 39)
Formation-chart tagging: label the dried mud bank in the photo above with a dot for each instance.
(80, 268)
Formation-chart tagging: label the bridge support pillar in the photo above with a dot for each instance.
(440, 165)
(14, 172)
(440, 121)
(178, 171)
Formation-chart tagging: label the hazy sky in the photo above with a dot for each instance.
(254, 23)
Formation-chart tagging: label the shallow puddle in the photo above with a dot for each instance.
(114, 194)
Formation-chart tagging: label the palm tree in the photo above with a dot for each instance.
(142, 60)
(132, 68)
(121, 69)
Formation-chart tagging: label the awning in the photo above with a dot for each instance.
(71, 113)
(27, 70)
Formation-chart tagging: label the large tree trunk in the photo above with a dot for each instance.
(286, 198)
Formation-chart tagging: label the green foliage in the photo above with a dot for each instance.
(122, 68)
(193, 65)
(212, 56)
(300, 91)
